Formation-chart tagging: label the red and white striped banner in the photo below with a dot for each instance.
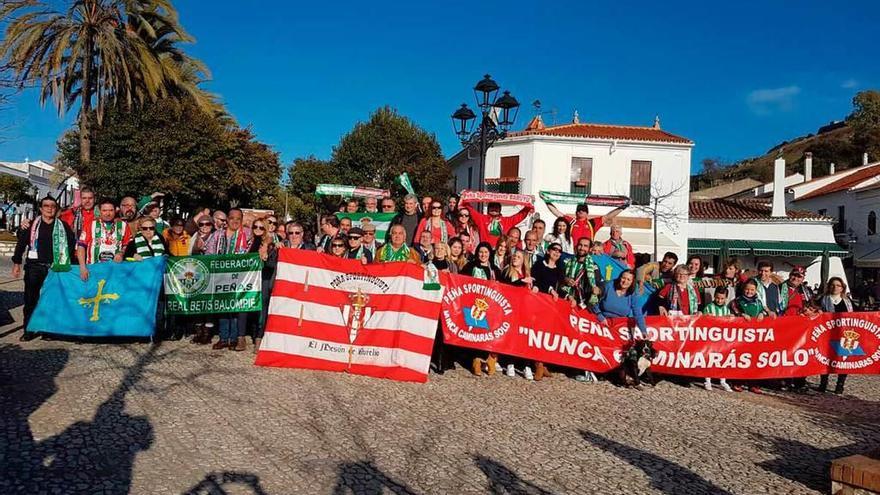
(337, 314)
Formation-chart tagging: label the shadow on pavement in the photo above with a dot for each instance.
(86, 457)
(666, 476)
(503, 481)
(363, 478)
(8, 301)
(226, 483)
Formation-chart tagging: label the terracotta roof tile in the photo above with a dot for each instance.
(743, 209)
(604, 131)
(845, 183)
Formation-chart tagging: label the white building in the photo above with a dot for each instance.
(639, 162)
(44, 180)
(852, 198)
(755, 229)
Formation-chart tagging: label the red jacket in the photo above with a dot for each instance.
(507, 223)
(630, 255)
(66, 216)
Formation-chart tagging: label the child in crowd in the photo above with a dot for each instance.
(748, 304)
(718, 307)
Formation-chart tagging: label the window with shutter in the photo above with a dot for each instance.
(640, 182)
(581, 175)
(509, 167)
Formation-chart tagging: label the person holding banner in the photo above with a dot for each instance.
(356, 251)
(439, 228)
(263, 244)
(338, 246)
(768, 290)
(493, 225)
(49, 245)
(548, 274)
(147, 243)
(794, 293)
(581, 225)
(582, 282)
(679, 297)
(618, 300)
(396, 249)
(483, 268)
(561, 236)
(233, 239)
(835, 300)
(102, 240)
(371, 204)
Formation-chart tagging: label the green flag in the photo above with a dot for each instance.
(382, 221)
(403, 180)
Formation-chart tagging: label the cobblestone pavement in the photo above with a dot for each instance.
(178, 418)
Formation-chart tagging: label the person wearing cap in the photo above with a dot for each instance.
(794, 293)
(492, 225)
(356, 250)
(581, 225)
(369, 241)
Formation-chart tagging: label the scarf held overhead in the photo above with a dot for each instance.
(590, 199)
(490, 197)
(350, 191)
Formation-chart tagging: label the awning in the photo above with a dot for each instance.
(766, 248)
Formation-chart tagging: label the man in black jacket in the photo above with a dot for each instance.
(47, 242)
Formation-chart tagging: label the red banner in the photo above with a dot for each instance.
(513, 321)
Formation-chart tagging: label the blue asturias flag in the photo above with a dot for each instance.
(609, 267)
(119, 300)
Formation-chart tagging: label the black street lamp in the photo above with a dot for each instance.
(498, 116)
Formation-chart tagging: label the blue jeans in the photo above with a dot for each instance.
(228, 327)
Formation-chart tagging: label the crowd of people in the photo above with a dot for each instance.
(452, 236)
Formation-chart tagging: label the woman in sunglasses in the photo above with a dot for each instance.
(441, 230)
(466, 224)
(147, 243)
(262, 242)
(338, 247)
(179, 242)
(204, 229)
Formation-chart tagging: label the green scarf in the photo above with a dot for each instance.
(693, 307)
(148, 249)
(60, 248)
(783, 296)
(575, 269)
(387, 253)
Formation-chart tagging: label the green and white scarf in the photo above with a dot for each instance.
(60, 248)
(575, 269)
(716, 310)
(673, 296)
(387, 253)
(148, 249)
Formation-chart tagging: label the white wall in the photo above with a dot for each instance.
(765, 231)
(545, 164)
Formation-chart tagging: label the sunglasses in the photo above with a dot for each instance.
(259, 227)
(148, 228)
(354, 238)
(337, 245)
(369, 233)
(206, 224)
(436, 207)
(272, 222)
(556, 249)
(463, 215)
(295, 232)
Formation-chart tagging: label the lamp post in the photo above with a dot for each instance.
(497, 116)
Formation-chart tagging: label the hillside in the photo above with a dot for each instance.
(830, 144)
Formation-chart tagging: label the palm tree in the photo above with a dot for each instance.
(100, 53)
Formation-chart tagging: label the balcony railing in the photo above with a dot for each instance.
(509, 185)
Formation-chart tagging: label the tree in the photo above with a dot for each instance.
(173, 147)
(376, 152)
(15, 190)
(865, 122)
(662, 210)
(303, 175)
(99, 54)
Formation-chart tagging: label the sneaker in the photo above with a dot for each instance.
(725, 386)
(756, 390)
(527, 372)
(511, 371)
(707, 385)
(737, 388)
(593, 377)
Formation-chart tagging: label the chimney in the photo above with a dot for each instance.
(778, 188)
(864, 158)
(831, 169)
(808, 166)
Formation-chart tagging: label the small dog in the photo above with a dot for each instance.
(637, 362)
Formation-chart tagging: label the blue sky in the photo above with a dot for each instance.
(736, 80)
